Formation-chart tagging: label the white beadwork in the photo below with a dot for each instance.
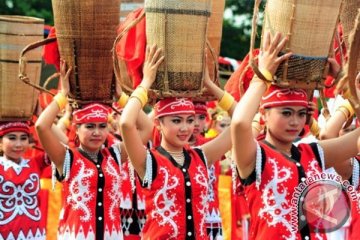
(205, 159)
(66, 167)
(322, 158)
(148, 170)
(117, 151)
(131, 175)
(355, 175)
(258, 165)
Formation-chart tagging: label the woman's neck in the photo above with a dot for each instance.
(17, 161)
(284, 147)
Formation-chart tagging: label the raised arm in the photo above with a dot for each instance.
(48, 138)
(131, 135)
(244, 144)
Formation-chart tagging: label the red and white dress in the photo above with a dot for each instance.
(20, 216)
(176, 196)
(91, 196)
(269, 190)
(354, 232)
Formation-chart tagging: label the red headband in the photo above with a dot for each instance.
(93, 112)
(200, 108)
(6, 127)
(173, 106)
(277, 97)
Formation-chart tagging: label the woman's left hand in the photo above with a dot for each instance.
(151, 64)
(334, 67)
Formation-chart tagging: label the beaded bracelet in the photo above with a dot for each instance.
(61, 100)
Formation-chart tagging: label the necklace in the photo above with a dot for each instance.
(178, 157)
(92, 155)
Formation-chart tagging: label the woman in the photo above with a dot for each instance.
(271, 169)
(20, 216)
(90, 172)
(174, 175)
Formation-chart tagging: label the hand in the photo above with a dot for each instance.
(311, 108)
(151, 64)
(268, 57)
(207, 80)
(118, 89)
(64, 78)
(334, 67)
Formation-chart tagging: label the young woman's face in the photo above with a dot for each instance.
(221, 125)
(92, 135)
(284, 124)
(14, 145)
(199, 126)
(176, 130)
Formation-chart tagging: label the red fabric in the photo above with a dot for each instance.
(45, 99)
(270, 203)
(51, 51)
(6, 127)
(200, 108)
(156, 137)
(131, 47)
(168, 221)
(80, 194)
(173, 106)
(276, 97)
(242, 76)
(93, 112)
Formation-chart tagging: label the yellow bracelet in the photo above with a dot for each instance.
(140, 93)
(226, 101)
(348, 107)
(65, 121)
(110, 119)
(61, 100)
(344, 111)
(314, 128)
(123, 100)
(266, 74)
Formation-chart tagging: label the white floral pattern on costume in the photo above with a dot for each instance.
(201, 179)
(165, 209)
(276, 206)
(115, 193)
(80, 194)
(19, 200)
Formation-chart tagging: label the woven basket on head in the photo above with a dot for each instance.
(214, 33)
(127, 6)
(179, 28)
(86, 30)
(309, 26)
(347, 19)
(18, 100)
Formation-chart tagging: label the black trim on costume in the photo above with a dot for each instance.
(252, 177)
(201, 155)
(99, 212)
(113, 154)
(190, 227)
(317, 154)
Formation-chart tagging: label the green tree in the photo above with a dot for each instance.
(34, 8)
(237, 28)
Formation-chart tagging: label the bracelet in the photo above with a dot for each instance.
(314, 128)
(61, 100)
(226, 101)
(65, 121)
(348, 107)
(343, 110)
(123, 100)
(110, 119)
(140, 93)
(266, 74)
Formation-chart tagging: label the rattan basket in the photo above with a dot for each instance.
(347, 19)
(86, 30)
(309, 26)
(17, 99)
(179, 28)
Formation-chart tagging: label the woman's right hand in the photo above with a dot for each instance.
(151, 64)
(268, 57)
(64, 78)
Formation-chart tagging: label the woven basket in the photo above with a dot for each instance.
(347, 19)
(86, 30)
(214, 34)
(179, 28)
(127, 6)
(310, 27)
(18, 100)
